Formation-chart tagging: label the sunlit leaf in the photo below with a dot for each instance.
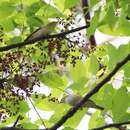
(51, 79)
(60, 5)
(29, 125)
(94, 2)
(7, 24)
(71, 3)
(31, 10)
(93, 24)
(96, 120)
(113, 55)
(103, 96)
(78, 71)
(79, 85)
(118, 106)
(69, 128)
(47, 11)
(75, 120)
(6, 9)
(126, 69)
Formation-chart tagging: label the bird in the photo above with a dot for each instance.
(42, 31)
(73, 99)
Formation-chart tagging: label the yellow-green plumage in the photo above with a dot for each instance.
(73, 99)
(42, 31)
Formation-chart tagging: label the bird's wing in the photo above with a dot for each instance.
(30, 36)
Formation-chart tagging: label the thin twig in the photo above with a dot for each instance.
(116, 125)
(15, 123)
(37, 112)
(21, 44)
(12, 128)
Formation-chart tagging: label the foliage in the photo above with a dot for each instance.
(59, 63)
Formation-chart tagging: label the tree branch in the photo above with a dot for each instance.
(85, 6)
(74, 109)
(116, 125)
(21, 44)
(15, 123)
(13, 128)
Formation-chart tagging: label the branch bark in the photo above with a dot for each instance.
(85, 6)
(15, 123)
(22, 44)
(116, 125)
(13, 128)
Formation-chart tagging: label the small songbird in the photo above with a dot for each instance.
(73, 99)
(42, 31)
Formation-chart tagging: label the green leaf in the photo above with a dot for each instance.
(96, 120)
(93, 24)
(107, 16)
(57, 92)
(19, 18)
(120, 104)
(92, 65)
(111, 24)
(110, 17)
(120, 28)
(60, 110)
(126, 69)
(70, 3)
(49, 105)
(15, 40)
(39, 55)
(8, 121)
(128, 11)
(73, 121)
(101, 52)
(6, 9)
(30, 2)
(69, 128)
(102, 98)
(45, 104)
(78, 71)
(94, 2)
(48, 11)
(59, 4)
(7, 24)
(11, 119)
(51, 79)
(113, 55)
(38, 97)
(29, 125)
(34, 21)
(76, 118)
(123, 51)
(23, 107)
(79, 85)
(32, 9)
